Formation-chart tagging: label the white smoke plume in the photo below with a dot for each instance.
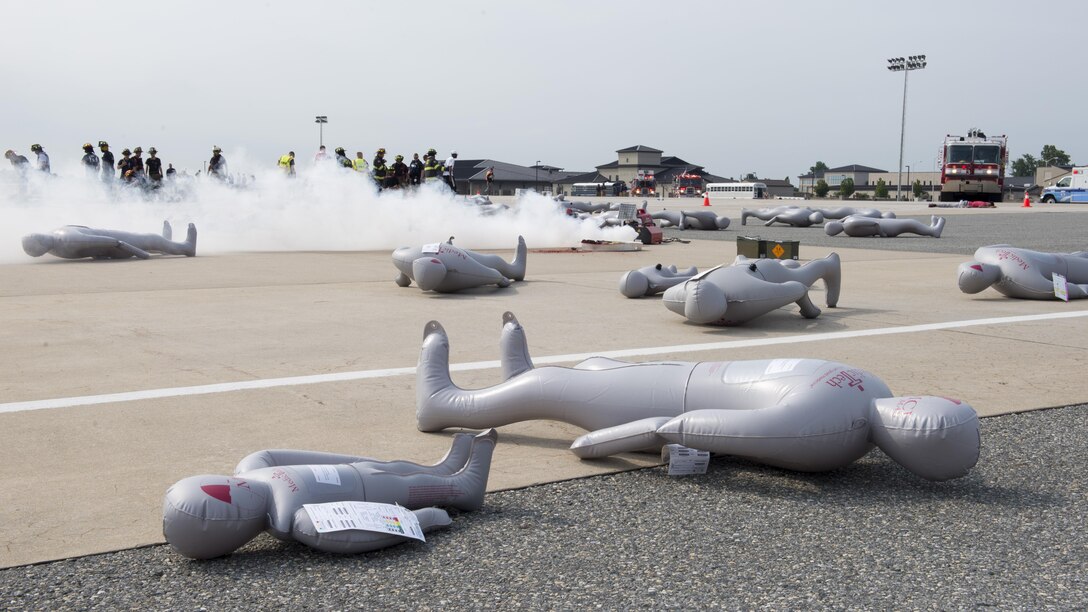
(324, 208)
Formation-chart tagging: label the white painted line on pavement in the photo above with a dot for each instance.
(267, 383)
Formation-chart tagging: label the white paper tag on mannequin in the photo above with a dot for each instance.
(364, 516)
(431, 248)
(326, 474)
(684, 461)
(1061, 287)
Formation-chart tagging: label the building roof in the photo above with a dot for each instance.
(476, 169)
(854, 168)
(775, 182)
(638, 148)
(583, 177)
(672, 160)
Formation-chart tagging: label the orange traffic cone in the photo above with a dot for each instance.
(1027, 200)
(706, 199)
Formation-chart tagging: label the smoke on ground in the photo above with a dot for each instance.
(324, 208)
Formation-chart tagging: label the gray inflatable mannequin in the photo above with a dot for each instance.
(78, 242)
(211, 516)
(790, 215)
(585, 207)
(691, 219)
(731, 295)
(652, 280)
(799, 414)
(846, 211)
(445, 268)
(858, 226)
(1022, 273)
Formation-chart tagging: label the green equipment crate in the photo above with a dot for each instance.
(758, 248)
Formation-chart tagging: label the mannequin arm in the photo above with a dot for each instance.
(640, 435)
(132, 250)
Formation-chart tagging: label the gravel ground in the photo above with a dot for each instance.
(1010, 535)
(1053, 232)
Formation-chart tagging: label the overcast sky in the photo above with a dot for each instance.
(762, 86)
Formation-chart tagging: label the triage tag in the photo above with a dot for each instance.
(684, 461)
(1061, 287)
(364, 516)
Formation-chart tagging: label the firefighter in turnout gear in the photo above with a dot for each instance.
(378, 169)
(432, 168)
(342, 158)
(400, 172)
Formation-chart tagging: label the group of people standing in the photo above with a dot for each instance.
(395, 175)
(22, 164)
(132, 168)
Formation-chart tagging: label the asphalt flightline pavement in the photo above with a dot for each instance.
(1010, 535)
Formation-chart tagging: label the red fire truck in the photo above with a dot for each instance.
(973, 167)
(689, 185)
(644, 184)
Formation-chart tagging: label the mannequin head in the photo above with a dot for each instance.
(934, 437)
(37, 245)
(634, 284)
(211, 516)
(974, 276)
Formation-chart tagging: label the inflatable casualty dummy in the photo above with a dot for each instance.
(857, 227)
(211, 516)
(445, 268)
(731, 295)
(1021, 273)
(846, 211)
(652, 280)
(963, 204)
(691, 219)
(78, 242)
(585, 207)
(790, 215)
(800, 414)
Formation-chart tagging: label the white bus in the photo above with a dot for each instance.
(737, 191)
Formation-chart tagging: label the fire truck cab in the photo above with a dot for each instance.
(688, 185)
(644, 184)
(973, 167)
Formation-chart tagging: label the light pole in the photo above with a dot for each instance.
(536, 181)
(321, 120)
(904, 65)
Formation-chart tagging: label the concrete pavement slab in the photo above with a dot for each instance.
(89, 478)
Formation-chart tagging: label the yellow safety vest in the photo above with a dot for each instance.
(285, 161)
(359, 164)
